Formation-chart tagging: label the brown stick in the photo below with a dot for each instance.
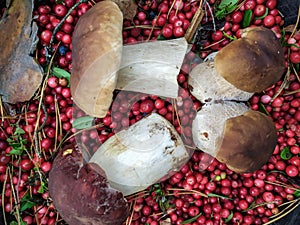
(194, 24)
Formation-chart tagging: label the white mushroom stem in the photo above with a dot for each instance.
(152, 67)
(141, 155)
(207, 85)
(209, 124)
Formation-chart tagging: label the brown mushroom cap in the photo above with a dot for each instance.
(81, 193)
(20, 75)
(253, 62)
(248, 142)
(97, 50)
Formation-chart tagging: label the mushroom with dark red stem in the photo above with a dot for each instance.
(242, 138)
(245, 66)
(81, 192)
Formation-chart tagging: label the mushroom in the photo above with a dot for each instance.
(102, 64)
(20, 74)
(97, 50)
(141, 155)
(242, 138)
(245, 66)
(81, 192)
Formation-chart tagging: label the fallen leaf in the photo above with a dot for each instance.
(20, 74)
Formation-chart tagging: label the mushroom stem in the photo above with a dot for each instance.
(242, 138)
(209, 123)
(152, 67)
(207, 85)
(141, 155)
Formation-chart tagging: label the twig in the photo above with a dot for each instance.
(283, 215)
(190, 32)
(285, 81)
(56, 29)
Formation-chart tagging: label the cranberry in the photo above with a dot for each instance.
(269, 21)
(291, 170)
(66, 39)
(295, 57)
(178, 32)
(26, 164)
(46, 37)
(271, 4)
(60, 10)
(250, 5)
(237, 17)
(146, 106)
(259, 10)
(217, 36)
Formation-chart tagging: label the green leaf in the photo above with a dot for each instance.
(83, 122)
(42, 188)
(26, 205)
(160, 37)
(228, 218)
(263, 109)
(9, 140)
(228, 3)
(191, 219)
(286, 154)
(19, 131)
(231, 38)
(216, 195)
(297, 193)
(16, 152)
(263, 16)
(247, 18)
(225, 8)
(60, 73)
(16, 223)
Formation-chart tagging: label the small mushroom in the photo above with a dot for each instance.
(242, 138)
(97, 50)
(245, 66)
(81, 192)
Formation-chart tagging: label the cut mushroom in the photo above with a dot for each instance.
(247, 65)
(141, 155)
(97, 50)
(242, 138)
(81, 193)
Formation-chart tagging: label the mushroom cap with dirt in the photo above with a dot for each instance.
(242, 138)
(81, 192)
(245, 66)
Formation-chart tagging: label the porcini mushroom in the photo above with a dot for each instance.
(20, 75)
(242, 138)
(245, 66)
(97, 49)
(81, 192)
(142, 154)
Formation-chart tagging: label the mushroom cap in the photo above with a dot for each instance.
(248, 142)
(97, 50)
(20, 75)
(81, 192)
(254, 62)
(216, 87)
